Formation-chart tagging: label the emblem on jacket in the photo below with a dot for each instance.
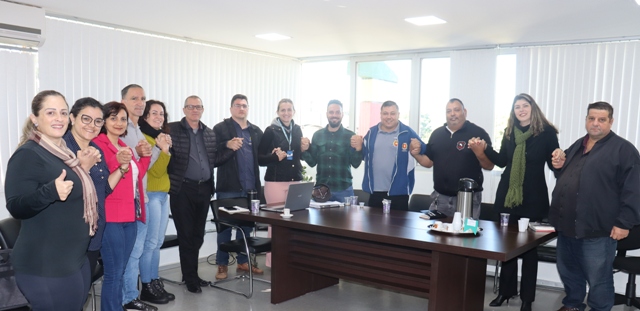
(404, 147)
(461, 144)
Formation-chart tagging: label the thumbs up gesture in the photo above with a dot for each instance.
(63, 186)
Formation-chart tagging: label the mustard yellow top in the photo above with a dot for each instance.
(157, 175)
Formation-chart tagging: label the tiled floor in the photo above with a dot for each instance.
(346, 296)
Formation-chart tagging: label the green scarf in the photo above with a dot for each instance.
(514, 195)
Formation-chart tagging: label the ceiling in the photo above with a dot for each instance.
(340, 27)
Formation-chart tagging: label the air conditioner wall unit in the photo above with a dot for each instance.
(21, 25)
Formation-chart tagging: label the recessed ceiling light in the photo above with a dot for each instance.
(638, 2)
(427, 20)
(273, 37)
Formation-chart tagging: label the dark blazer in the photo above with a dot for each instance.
(228, 171)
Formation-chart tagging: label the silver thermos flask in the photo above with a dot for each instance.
(466, 187)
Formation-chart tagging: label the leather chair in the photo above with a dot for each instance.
(362, 196)
(249, 246)
(488, 213)
(629, 265)
(419, 202)
(9, 230)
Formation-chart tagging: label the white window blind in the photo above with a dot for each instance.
(82, 60)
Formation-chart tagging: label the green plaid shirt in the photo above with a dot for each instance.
(333, 154)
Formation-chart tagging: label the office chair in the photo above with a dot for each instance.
(170, 240)
(9, 230)
(362, 196)
(248, 246)
(418, 202)
(487, 213)
(96, 275)
(629, 265)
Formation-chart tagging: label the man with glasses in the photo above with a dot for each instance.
(388, 163)
(239, 175)
(133, 97)
(194, 155)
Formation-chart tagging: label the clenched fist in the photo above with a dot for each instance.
(356, 142)
(304, 144)
(143, 148)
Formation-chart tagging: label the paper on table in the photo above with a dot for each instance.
(327, 204)
(237, 209)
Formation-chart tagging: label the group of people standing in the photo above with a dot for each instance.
(121, 168)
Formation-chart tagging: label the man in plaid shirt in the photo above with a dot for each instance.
(334, 149)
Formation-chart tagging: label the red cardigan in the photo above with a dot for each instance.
(119, 205)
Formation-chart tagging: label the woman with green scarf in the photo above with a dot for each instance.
(528, 143)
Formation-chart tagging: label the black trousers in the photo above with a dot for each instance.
(509, 276)
(189, 209)
(398, 202)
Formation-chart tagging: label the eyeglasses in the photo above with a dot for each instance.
(192, 107)
(87, 120)
(242, 106)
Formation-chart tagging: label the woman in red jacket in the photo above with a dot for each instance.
(123, 206)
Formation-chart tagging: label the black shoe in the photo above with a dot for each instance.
(194, 288)
(149, 293)
(139, 305)
(159, 286)
(499, 300)
(204, 282)
(526, 306)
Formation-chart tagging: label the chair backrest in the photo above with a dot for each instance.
(362, 195)
(419, 202)
(9, 229)
(216, 204)
(631, 242)
(487, 212)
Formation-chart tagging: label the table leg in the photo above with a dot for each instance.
(457, 282)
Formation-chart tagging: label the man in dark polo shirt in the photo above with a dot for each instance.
(335, 150)
(595, 203)
(240, 173)
(451, 158)
(194, 155)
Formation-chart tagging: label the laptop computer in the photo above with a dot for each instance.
(298, 198)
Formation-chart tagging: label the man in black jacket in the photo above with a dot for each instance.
(595, 203)
(194, 155)
(240, 173)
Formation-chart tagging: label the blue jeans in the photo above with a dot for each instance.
(587, 261)
(157, 219)
(340, 195)
(222, 258)
(117, 243)
(130, 286)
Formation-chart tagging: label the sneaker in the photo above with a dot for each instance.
(159, 286)
(139, 305)
(222, 272)
(244, 267)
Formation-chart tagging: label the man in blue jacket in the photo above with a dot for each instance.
(595, 203)
(388, 163)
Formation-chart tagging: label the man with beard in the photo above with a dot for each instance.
(451, 158)
(334, 149)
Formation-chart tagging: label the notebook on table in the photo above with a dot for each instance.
(298, 198)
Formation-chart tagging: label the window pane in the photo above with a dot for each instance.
(434, 94)
(505, 91)
(322, 82)
(378, 82)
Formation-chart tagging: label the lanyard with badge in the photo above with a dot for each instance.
(288, 137)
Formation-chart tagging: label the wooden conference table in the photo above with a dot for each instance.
(315, 248)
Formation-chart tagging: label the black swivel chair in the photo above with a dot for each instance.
(419, 202)
(487, 212)
(249, 246)
(9, 230)
(362, 196)
(629, 265)
(170, 240)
